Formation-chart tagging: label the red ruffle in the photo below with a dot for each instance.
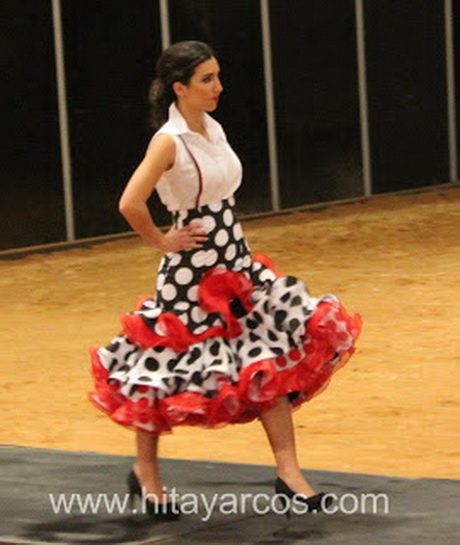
(259, 383)
(174, 333)
(217, 288)
(267, 262)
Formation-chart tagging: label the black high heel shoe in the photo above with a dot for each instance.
(159, 511)
(316, 504)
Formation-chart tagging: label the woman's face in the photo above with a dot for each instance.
(203, 90)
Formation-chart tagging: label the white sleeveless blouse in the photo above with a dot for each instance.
(221, 170)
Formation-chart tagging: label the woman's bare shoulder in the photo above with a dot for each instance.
(162, 147)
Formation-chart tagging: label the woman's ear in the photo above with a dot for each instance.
(178, 88)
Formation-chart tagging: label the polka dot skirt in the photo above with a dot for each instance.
(223, 337)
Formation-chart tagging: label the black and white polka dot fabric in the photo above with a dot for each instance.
(191, 359)
(179, 273)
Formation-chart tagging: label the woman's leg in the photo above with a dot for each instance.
(279, 428)
(146, 465)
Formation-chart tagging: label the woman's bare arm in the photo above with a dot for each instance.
(133, 203)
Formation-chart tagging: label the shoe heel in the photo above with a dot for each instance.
(132, 500)
(167, 512)
(315, 504)
(134, 489)
(285, 506)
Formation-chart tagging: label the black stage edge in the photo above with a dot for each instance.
(420, 511)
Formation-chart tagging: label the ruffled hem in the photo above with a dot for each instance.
(258, 387)
(326, 349)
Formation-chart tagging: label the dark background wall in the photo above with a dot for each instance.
(110, 51)
(456, 25)
(31, 203)
(406, 81)
(316, 97)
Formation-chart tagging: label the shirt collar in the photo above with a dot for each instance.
(180, 126)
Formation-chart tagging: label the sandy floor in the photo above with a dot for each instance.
(394, 409)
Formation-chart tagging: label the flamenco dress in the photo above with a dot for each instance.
(225, 333)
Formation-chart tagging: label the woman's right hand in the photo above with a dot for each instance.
(189, 237)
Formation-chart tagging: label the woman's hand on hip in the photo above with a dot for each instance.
(189, 237)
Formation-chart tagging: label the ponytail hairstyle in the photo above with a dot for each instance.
(176, 63)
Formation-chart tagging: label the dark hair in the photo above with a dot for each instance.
(176, 63)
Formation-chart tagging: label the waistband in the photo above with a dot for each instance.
(210, 208)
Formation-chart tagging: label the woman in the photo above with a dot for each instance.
(226, 339)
